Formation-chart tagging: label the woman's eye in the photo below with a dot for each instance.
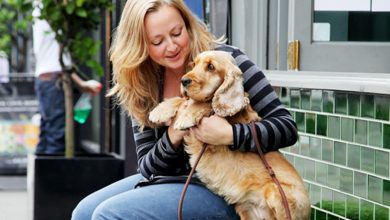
(210, 67)
(177, 34)
(156, 43)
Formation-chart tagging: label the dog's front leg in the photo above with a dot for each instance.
(166, 110)
(191, 115)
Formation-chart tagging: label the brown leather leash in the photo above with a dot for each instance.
(270, 171)
(267, 166)
(183, 192)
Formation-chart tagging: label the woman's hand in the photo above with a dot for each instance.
(175, 136)
(214, 130)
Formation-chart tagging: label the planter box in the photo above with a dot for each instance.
(57, 184)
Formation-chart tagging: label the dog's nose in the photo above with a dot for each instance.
(185, 81)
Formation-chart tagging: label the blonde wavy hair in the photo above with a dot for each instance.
(135, 76)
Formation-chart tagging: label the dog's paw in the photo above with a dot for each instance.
(158, 115)
(165, 111)
(184, 122)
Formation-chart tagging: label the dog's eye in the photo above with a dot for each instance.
(210, 67)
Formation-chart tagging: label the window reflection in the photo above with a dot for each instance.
(351, 20)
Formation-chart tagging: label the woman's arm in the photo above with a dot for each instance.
(156, 156)
(277, 129)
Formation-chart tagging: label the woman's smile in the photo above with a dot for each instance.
(169, 42)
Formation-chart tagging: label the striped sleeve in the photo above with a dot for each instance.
(277, 129)
(155, 155)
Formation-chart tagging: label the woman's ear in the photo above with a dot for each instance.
(230, 97)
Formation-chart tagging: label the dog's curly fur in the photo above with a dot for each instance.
(216, 84)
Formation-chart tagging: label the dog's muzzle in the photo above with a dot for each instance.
(185, 81)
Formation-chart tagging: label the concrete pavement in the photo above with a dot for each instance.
(13, 198)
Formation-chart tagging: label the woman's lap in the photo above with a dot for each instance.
(160, 201)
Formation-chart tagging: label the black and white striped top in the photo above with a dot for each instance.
(277, 129)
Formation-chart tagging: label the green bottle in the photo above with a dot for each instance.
(82, 108)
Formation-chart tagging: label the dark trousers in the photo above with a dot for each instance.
(52, 109)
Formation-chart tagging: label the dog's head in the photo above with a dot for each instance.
(216, 77)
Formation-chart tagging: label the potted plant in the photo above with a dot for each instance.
(59, 182)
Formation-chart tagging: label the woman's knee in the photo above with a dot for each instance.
(82, 211)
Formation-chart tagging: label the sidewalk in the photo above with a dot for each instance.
(13, 198)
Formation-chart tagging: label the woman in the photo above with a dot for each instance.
(154, 42)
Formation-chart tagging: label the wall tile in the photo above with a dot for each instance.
(360, 184)
(346, 180)
(340, 157)
(334, 176)
(315, 195)
(327, 199)
(305, 99)
(320, 215)
(316, 100)
(341, 103)
(354, 104)
(310, 123)
(353, 159)
(321, 173)
(340, 149)
(304, 145)
(300, 120)
(352, 207)
(284, 95)
(299, 164)
(368, 106)
(332, 217)
(381, 212)
(295, 148)
(328, 101)
(368, 159)
(334, 127)
(386, 136)
(382, 104)
(315, 147)
(375, 134)
(366, 210)
(339, 203)
(361, 131)
(295, 98)
(375, 189)
(382, 163)
(322, 125)
(347, 129)
(386, 192)
(327, 150)
(310, 173)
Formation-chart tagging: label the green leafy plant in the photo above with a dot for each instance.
(73, 22)
(15, 31)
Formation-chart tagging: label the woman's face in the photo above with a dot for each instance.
(168, 40)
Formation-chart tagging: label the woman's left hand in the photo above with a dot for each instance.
(214, 130)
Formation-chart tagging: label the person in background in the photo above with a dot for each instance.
(153, 44)
(48, 88)
(4, 68)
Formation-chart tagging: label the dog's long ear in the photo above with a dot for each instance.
(230, 97)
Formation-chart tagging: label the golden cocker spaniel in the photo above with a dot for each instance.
(215, 84)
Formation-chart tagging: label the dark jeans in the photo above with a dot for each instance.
(52, 109)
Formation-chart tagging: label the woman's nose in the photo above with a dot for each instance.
(172, 46)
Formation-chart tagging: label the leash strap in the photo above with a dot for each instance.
(183, 192)
(270, 170)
